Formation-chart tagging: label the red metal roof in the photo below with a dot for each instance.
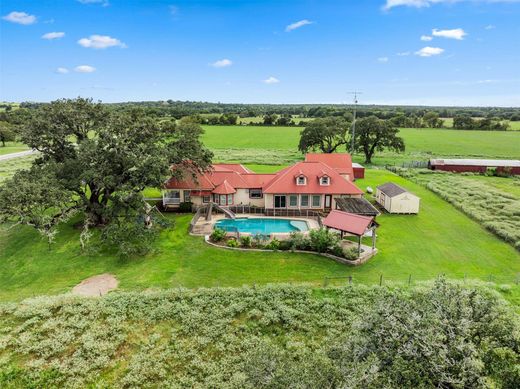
(348, 222)
(285, 181)
(341, 162)
(224, 189)
(256, 181)
(235, 167)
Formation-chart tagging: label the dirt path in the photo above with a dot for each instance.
(96, 285)
(5, 157)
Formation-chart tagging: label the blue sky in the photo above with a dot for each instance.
(262, 51)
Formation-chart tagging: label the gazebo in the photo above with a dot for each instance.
(352, 224)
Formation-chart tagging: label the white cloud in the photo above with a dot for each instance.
(403, 53)
(429, 51)
(426, 3)
(456, 33)
(20, 18)
(84, 69)
(100, 42)
(271, 80)
(489, 27)
(62, 70)
(298, 24)
(53, 35)
(222, 63)
(382, 59)
(426, 38)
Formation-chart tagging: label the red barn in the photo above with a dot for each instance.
(359, 171)
(475, 165)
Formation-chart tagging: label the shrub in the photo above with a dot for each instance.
(322, 240)
(273, 244)
(185, 207)
(232, 243)
(260, 239)
(351, 253)
(246, 241)
(299, 241)
(337, 250)
(285, 245)
(217, 235)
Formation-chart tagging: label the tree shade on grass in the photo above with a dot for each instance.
(438, 240)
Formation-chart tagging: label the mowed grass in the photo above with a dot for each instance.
(232, 142)
(12, 147)
(438, 240)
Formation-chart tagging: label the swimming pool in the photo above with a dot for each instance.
(262, 225)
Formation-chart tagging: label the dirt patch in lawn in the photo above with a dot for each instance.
(96, 285)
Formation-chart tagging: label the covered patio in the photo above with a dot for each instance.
(352, 224)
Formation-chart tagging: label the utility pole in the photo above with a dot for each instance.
(355, 93)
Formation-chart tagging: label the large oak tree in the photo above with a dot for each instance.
(373, 134)
(104, 159)
(324, 134)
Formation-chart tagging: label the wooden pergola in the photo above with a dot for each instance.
(352, 224)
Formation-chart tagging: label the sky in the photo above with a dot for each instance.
(410, 52)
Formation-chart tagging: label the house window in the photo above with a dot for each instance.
(304, 200)
(229, 199)
(172, 197)
(316, 200)
(205, 199)
(187, 196)
(325, 180)
(280, 201)
(255, 193)
(222, 200)
(293, 201)
(301, 180)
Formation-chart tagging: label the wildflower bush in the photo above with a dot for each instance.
(497, 211)
(217, 235)
(433, 335)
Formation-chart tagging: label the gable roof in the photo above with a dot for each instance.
(235, 167)
(341, 162)
(348, 222)
(285, 182)
(391, 190)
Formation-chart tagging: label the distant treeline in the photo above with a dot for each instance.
(180, 109)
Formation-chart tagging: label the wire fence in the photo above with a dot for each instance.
(410, 279)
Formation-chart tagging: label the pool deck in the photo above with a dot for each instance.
(205, 227)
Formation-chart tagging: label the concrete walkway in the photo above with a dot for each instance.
(5, 157)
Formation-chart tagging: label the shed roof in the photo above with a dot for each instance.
(476, 162)
(391, 190)
(359, 206)
(348, 222)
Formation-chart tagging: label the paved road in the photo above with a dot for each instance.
(5, 157)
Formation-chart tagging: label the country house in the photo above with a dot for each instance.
(313, 184)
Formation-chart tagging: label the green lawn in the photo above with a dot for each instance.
(438, 240)
(12, 147)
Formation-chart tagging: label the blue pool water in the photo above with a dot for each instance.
(261, 225)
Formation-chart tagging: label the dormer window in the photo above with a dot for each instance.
(325, 180)
(301, 180)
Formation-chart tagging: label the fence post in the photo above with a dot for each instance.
(381, 280)
(409, 279)
(350, 280)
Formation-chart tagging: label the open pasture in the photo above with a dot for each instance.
(251, 144)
